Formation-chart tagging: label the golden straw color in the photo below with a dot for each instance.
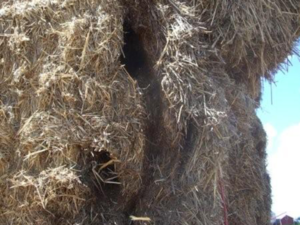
(118, 112)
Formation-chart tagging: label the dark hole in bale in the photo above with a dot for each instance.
(101, 176)
(104, 169)
(134, 56)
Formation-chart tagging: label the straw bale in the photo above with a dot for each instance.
(71, 105)
(252, 38)
(137, 112)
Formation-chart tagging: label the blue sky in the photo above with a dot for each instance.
(281, 119)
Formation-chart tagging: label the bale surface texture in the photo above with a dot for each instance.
(120, 112)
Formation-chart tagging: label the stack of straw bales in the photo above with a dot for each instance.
(137, 112)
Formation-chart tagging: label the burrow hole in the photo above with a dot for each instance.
(104, 173)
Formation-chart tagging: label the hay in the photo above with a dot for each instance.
(137, 112)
